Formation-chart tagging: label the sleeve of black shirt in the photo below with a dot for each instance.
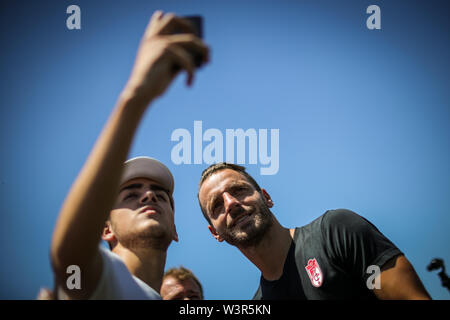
(354, 244)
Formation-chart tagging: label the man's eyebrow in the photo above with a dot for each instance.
(215, 195)
(193, 291)
(239, 184)
(153, 187)
(132, 186)
(156, 187)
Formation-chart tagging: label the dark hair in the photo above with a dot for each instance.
(222, 166)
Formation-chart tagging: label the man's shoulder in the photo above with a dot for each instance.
(117, 283)
(340, 217)
(333, 219)
(331, 216)
(108, 254)
(346, 220)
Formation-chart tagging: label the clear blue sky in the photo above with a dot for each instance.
(363, 118)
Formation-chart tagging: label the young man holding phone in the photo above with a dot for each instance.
(132, 203)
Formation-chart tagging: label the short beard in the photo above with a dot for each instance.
(157, 238)
(263, 220)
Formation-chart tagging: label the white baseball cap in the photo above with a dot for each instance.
(146, 167)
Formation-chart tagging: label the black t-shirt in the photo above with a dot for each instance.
(331, 258)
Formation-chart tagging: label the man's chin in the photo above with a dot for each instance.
(248, 234)
(154, 229)
(244, 238)
(154, 234)
(151, 223)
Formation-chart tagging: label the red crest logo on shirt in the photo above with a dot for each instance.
(314, 272)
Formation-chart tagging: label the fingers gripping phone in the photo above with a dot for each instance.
(197, 22)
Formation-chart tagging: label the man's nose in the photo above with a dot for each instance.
(148, 196)
(230, 202)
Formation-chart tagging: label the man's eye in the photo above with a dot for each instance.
(161, 197)
(239, 190)
(216, 208)
(130, 196)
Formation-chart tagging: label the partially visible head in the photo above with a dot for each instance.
(181, 284)
(143, 214)
(236, 208)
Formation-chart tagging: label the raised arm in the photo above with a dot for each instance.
(86, 208)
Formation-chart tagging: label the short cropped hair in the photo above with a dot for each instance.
(218, 167)
(181, 273)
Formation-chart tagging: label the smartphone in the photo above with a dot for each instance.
(197, 22)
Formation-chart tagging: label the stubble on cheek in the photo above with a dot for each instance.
(250, 232)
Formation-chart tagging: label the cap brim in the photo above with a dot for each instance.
(150, 168)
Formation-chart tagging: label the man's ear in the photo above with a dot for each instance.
(108, 234)
(214, 233)
(267, 198)
(175, 233)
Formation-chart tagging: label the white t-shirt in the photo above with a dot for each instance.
(117, 283)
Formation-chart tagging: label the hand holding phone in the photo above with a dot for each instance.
(197, 23)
